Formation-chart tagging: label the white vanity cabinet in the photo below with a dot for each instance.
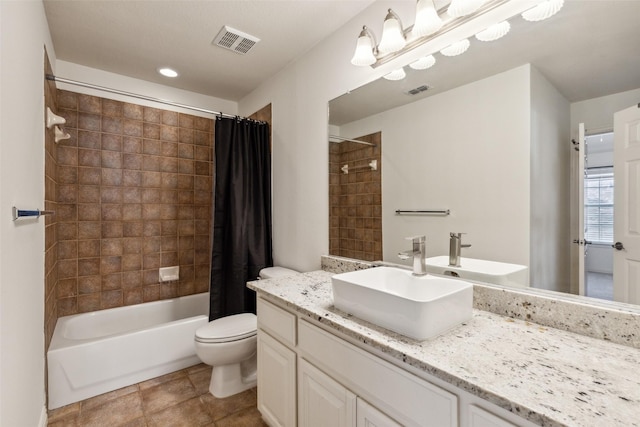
(310, 377)
(322, 401)
(276, 365)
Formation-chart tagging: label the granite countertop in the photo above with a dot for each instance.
(547, 376)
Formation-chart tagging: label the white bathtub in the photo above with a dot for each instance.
(93, 353)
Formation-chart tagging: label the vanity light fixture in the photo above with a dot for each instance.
(459, 8)
(392, 34)
(427, 19)
(494, 32)
(543, 10)
(423, 63)
(398, 74)
(168, 72)
(431, 25)
(457, 48)
(366, 49)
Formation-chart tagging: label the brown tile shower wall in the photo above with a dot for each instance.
(50, 190)
(134, 194)
(355, 200)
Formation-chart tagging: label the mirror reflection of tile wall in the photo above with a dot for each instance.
(355, 199)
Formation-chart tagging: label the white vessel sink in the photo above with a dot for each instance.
(500, 273)
(418, 307)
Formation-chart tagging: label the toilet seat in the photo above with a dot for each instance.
(229, 328)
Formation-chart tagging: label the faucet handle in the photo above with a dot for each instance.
(456, 235)
(417, 239)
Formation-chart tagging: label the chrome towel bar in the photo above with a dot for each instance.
(423, 212)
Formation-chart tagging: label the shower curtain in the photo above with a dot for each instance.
(242, 214)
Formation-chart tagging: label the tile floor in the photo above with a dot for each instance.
(178, 399)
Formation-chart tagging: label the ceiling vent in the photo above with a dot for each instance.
(419, 89)
(235, 40)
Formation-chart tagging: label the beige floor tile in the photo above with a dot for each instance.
(69, 421)
(197, 368)
(115, 412)
(161, 380)
(200, 380)
(64, 411)
(104, 398)
(167, 394)
(190, 413)
(221, 408)
(247, 418)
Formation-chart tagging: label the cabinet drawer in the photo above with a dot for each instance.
(403, 396)
(278, 322)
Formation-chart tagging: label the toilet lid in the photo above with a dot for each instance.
(229, 328)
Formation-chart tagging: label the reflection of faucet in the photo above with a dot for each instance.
(455, 246)
(418, 252)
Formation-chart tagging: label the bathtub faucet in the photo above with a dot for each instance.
(418, 254)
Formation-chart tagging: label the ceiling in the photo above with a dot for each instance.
(134, 38)
(589, 49)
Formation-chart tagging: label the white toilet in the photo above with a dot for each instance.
(229, 345)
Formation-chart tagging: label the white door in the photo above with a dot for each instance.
(368, 416)
(322, 401)
(276, 382)
(626, 165)
(580, 241)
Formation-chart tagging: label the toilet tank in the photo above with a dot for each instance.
(273, 272)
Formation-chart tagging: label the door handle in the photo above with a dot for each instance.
(618, 246)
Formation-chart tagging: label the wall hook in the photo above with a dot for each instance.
(54, 119)
(60, 135)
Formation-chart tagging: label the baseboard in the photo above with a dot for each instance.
(43, 417)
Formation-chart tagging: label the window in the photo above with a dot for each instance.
(598, 205)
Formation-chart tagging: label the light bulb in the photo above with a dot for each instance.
(456, 48)
(392, 34)
(398, 74)
(459, 8)
(364, 50)
(494, 32)
(543, 10)
(423, 63)
(427, 19)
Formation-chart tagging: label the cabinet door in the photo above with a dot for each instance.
(368, 416)
(322, 401)
(478, 417)
(276, 382)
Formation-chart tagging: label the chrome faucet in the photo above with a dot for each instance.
(418, 254)
(455, 246)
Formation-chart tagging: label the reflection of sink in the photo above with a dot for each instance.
(418, 307)
(499, 273)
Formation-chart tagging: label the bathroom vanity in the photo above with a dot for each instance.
(318, 366)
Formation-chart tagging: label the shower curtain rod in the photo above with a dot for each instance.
(350, 140)
(143, 97)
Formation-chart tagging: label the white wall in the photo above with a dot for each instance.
(23, 34)
(448, 151)
(550, 186)
(597, 113)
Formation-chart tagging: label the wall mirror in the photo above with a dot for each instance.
(489, 142)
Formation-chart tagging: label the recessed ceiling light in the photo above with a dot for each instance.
(168, 72)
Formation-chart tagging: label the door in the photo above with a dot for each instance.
(368, 416)
(582, 153)
(276, 382)
(626, 258)
(324, 402)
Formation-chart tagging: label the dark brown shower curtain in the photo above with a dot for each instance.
(242, 214)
